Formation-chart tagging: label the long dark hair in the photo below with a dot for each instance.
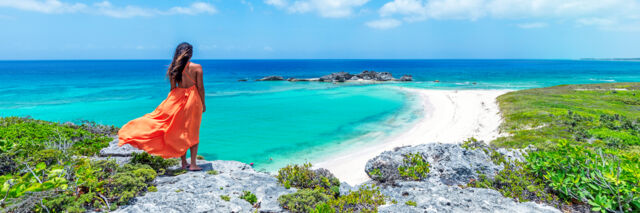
(183, 53)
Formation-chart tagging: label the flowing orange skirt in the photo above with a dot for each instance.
(171, 129)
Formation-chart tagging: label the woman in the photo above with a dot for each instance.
(174, 127)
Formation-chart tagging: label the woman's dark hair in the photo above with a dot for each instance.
(183, 53)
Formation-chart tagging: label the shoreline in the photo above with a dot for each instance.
(449, 116)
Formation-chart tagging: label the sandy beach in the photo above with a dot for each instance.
(450, 116)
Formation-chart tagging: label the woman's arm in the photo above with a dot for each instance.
(200, 86)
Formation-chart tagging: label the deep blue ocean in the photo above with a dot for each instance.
(289, 122)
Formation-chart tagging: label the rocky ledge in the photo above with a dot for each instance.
(345, 77)
(442, 189)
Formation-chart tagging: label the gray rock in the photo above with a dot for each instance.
(375, 76)
(200, 191)
(336, 77)
(433, 196)
(271, 78)
(113, 150)
(119, 160)
(384, 76)
(449, 163)
(406, 78)
(345, 188)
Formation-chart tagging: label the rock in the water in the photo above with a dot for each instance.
(113, 150)
(271, 78)
(336, 77)
(449, 163)
(242, 79)
(406, 78)
(384, 76)
(375, 76)
(201, 192)
(437, 197)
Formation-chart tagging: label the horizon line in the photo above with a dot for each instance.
(273, 59)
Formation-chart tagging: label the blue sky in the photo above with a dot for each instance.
(292, 29)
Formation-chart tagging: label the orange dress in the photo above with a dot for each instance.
(171, 129)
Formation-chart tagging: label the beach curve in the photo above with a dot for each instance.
(449, 116)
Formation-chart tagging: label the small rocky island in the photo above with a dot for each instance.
(366, 75)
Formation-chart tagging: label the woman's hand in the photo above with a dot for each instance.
(204, 108)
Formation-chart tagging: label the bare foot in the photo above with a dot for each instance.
(194, 167)
(185, 165)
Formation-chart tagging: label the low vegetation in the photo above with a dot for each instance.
(45, 167)
(587, 140)
(415, 167)
(249, 197)
(157, 163)
(301, 176)
(320, 193)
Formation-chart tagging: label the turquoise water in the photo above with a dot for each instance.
(283, 121)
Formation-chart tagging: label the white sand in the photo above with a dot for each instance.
(450, 116)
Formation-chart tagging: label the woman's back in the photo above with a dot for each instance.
(190, 75)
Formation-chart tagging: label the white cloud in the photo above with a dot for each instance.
(384, 24)
(532, 25)
(193, 9)
(277, 3)
(610, 13)
(105, 8)
(46, 6)
(325, 8)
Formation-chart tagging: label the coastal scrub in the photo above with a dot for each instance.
(45, 168)
(587, 144)
(319, 192)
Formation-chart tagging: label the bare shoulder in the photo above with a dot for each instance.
(195, 67)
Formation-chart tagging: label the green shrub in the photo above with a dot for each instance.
(375, 174)
(213, 172)
(129, 182)
(304, 200)
(514, 181)
(323, 208)
(157, 163)
(249, 197)
(25, 136)
(608, 182)
(225, 197)
(472, 144)
(415, 167)
(588, 138)
(301, 176)
(365, 199)
(411, 203)
(47, 156)
(43, 169)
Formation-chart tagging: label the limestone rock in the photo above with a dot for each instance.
(437, 197)
(200, 191)
(449, 163)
